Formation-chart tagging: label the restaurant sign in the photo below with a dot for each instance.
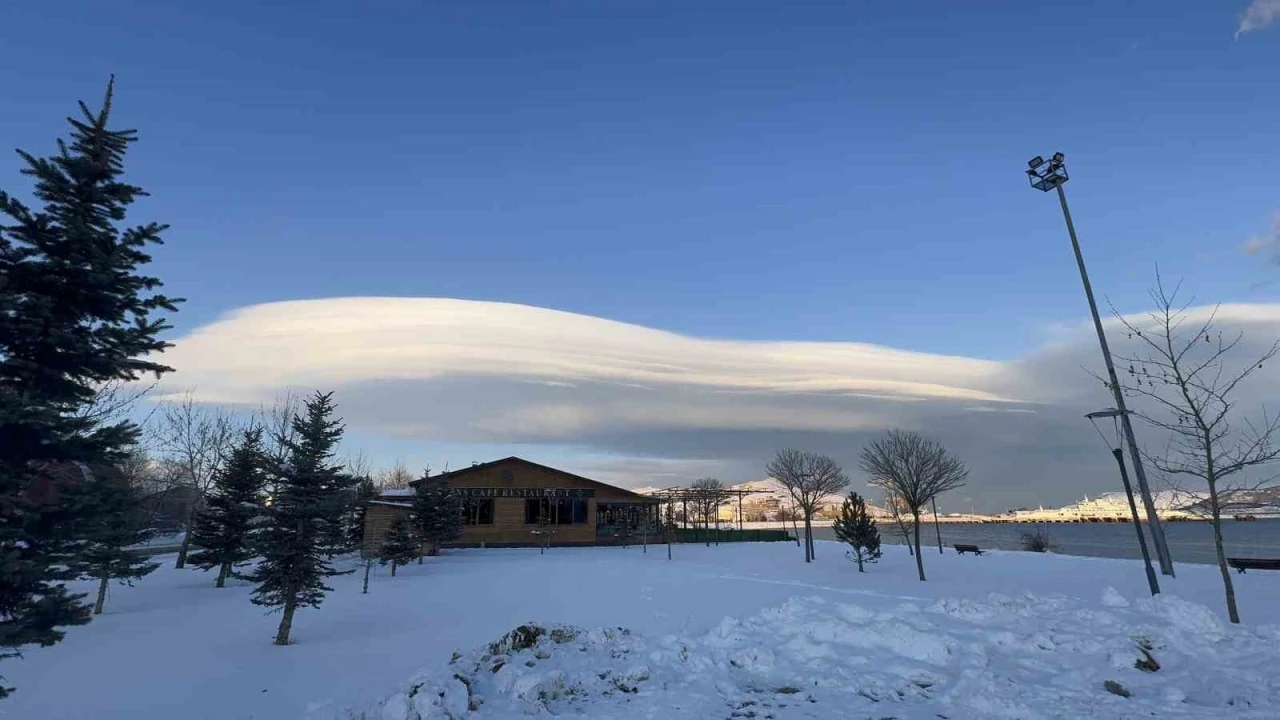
(514, 492)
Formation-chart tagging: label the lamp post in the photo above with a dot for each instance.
(1046, 175)
(1152, 582)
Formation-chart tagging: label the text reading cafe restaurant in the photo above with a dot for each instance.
(512, 502)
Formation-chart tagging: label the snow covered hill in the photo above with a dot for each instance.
(1028, 656)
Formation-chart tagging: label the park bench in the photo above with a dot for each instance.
(1242, 564)
(962, 549)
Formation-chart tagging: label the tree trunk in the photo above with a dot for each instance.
(813, 545)
(1232, 612)
(102, 591)
(858, 555)
(915, 515)
(808, 538)
(223, 571)
(186, 539)
(433, 548)
(286, 623)
(393, 568)
(367, 564)
(937, 528)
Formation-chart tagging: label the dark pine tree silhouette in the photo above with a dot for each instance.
(365, 491)
(437, 511)
(856, 529)
(112, 519)
(234, 506)
(296, 537)
(75, 313)
(401, 544)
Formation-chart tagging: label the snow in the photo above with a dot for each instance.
(735, 631)
(165, 541)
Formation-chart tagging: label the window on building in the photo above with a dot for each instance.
(477, 511)
(556, 511)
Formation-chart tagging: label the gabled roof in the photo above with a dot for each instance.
(492, 463)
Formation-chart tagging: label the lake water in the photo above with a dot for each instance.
(1189, 542)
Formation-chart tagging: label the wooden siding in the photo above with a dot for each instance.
(378, 517)
(509, 527)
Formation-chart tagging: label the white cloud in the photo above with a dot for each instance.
(1259, 15)
(456, 371)
(1256, 244)
(324, 343)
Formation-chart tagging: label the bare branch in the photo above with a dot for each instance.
(1192, 397)
(913, 467)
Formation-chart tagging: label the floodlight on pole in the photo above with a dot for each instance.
(1052, 175)
(1153, 583)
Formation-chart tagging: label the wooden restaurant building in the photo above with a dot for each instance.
(514, 502)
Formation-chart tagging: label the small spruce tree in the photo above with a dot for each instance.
(401, 545)
(856, 529)
(437, 511)
(222, 537)
(296, 537)
(105, 533)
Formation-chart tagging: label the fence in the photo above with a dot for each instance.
(692, 535)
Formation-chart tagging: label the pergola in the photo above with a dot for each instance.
(672, 496)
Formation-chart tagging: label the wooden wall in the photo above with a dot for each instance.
(509, 526)
(377, 520)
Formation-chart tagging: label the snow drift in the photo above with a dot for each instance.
(1032, 656)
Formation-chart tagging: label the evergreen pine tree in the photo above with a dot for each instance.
(364, 492)
(401, 544)
(855, 528)
(296, 538)
(234, 505)
(112, 520)
(337, 516)
(437, 510)
(75, 312)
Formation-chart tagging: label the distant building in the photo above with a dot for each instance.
(507, 502)
(168, 509)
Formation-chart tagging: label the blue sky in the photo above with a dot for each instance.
(819, 172)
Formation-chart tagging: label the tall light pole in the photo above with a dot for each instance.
(1046, 175)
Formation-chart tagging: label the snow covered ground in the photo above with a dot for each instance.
(736, 631)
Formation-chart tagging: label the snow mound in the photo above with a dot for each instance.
(1026, 657)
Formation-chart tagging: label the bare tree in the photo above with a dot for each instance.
(114, 400)
(397, 477)
(276, 420)
(196, 437)
(707, 495)
(916, 469)
(897, 510)
(1185, 372)
(808, 478)
(358, 465)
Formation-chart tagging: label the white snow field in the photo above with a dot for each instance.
(735, 631)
